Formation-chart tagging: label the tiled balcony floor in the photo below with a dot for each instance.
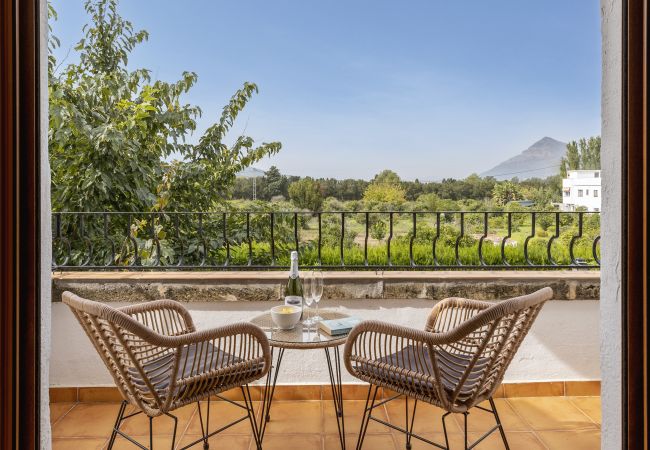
(548, 423)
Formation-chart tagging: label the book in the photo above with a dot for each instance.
(335, 327)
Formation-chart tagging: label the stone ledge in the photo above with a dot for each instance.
(196, 286)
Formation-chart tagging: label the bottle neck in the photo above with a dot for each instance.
(293, 272)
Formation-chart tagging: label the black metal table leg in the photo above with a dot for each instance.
(337, 391)
(269, 389)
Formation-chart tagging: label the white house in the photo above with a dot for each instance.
(581, 188)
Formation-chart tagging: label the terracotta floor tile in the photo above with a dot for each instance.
(58, 410)
(162, 442)
(371, 442)
(230, 442)
(427, 417)
(87, 420)
(222, 413)
(78, 444)
(303, 392)
(560, 423)
(551, 413)
(590, 406)
(481, 421)
(573, 440)
(162, 425)
(455, 441)
(295, 417)
(516, 440)
(353, 411)
(295, 441)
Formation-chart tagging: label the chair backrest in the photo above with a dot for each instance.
(125, 345)
(480, 340)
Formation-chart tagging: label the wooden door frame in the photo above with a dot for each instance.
(635, 225)
(19, 221)
(20, 211)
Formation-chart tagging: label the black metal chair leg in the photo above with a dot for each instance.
(444, 429)
(409, 430)
(150, 433)
(204, 429)
(116, 427)
(465, 414)
(496, 417)
(367, 412)
(248, 401)
(175, 429)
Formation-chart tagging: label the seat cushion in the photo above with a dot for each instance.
(192, 362)
(452, 367)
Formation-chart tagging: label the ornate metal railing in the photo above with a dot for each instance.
(351, 240)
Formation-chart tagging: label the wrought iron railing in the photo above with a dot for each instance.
(351, 240)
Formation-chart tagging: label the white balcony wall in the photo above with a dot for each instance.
(562, 345)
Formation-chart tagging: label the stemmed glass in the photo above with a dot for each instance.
(316, 285)
(307, 294)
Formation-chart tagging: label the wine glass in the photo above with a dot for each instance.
(316, 291)
(308, 298)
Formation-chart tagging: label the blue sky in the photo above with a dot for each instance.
(428, 88)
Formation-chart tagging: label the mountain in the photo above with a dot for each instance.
(251, 172)
(540, 160)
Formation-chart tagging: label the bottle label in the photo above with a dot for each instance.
(295, 300)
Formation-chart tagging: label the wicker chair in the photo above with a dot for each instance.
(160, 362)
(456, 363)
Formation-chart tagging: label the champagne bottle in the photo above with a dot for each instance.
(293, 292)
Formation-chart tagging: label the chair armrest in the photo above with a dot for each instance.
(166, 317)
(241, 348)
(393, 356)
(374, 340)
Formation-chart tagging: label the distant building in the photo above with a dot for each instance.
(581, 188)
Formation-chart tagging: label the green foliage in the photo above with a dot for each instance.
(386, 177)
(378, 230)
(506, 192)
(429, 202)
(111, 128)
(275, 183)
(392, 194)
(581, 155)
(306, 194)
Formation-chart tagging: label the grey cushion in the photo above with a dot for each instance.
(451, 366)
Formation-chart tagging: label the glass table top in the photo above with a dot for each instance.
(300, 337)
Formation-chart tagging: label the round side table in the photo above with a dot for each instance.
(302, 338)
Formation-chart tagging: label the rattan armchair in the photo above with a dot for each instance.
(160, 362)
(455, 363)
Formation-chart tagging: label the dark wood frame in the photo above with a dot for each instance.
(19, 224)
(19, 233)
(635, 224)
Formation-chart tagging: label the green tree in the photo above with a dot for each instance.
(581, 155)
(306, 194)
(506, 192)
(275, 183)
(378, 230)
(111, 130)
(384, 193)
(385, 188)
(386, 177)
(429, 202)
